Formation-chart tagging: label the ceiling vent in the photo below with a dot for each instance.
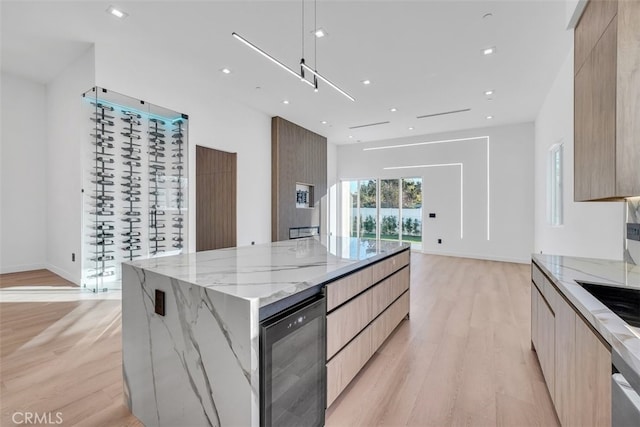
(370, 124)
(443, 113)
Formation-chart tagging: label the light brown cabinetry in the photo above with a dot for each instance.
(545, 343)
(593, 379)
(346, 322)
(565, 331)
(607, 101)
(362, 315)
(344, 367)
(343, 290)
(579, 378)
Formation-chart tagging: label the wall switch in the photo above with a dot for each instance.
(159, 302)
(439, 241)
(73, 257)
(633, 231)
(432, 215)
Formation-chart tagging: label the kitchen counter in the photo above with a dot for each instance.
(564, 271)
(198, 363)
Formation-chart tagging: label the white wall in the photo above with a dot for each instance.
(591, 229)
(214, 121)
(509, 219)
(64, 171)
(22, 175)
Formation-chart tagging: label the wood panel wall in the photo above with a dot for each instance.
(215, 199)
(297, 156)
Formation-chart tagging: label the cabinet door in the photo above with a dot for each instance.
(565, 361)
(595, 19)
(534, 316)
(595, 121)
(628, 99)
(546, 322)
(593, 379)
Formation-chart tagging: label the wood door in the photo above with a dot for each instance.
(215, 199)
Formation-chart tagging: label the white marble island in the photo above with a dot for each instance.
(198, 364)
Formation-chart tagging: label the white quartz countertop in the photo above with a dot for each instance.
(271, 272)
(564, 271)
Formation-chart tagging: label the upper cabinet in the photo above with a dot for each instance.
(607, 101)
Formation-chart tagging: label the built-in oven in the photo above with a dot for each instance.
(625, 394)
(292, 366)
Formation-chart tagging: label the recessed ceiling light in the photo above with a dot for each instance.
(489, 117)
(320, 32)
(393, 110)
(285, 102)
(117, 12)
(350, 136)
(324, 122)
(489, 50)
(410, 127)
(488, 92)
(366, 82)
(225, 70)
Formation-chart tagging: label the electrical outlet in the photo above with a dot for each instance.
(633, 231)
(439, 241)
(159, 302)
(73, 257)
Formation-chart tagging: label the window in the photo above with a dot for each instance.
(387, 209)
(555, 185)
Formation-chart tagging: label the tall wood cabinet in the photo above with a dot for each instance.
(607, 101)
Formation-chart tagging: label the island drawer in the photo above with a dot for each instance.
(344, 289)
(382, 327)
(537, 277)
(388, 290)
(347, 321)
(346, 365)
(389, 265)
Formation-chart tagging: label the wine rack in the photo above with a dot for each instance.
(135, 185)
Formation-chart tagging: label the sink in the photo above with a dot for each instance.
(625, 302)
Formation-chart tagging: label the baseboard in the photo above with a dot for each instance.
(484, 257)
(21, 268)
(63, 273)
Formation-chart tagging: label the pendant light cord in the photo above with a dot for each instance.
(315, 38)
(302, 35)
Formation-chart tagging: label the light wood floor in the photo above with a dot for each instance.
(463, 358)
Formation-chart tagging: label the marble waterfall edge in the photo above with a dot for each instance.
(195, 366)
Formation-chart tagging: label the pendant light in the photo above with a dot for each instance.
(303, 65)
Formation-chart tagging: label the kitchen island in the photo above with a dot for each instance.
(198, 364)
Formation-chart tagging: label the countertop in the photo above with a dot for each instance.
(564, 271)
(271, 272)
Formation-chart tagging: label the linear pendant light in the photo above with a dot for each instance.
(303, 66)
(270, 58)
(327, 81)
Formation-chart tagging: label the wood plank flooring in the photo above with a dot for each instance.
(463, 358)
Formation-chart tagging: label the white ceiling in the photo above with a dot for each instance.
(423, 57)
